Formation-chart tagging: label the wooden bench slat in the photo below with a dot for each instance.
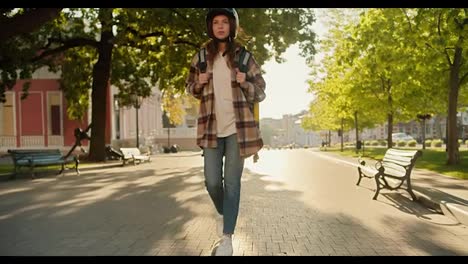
(399, 158)
(39, 157)
(403, 153)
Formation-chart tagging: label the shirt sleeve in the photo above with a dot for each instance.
(192, 86)
(254, 86)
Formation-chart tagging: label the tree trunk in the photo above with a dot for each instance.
(341, 132)
(390, 121)
(357, 130)
(452, 136)
(438, 126)
(390, 130)
(423, 124)
(101, 77)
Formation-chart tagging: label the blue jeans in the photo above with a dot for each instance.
(225, 195)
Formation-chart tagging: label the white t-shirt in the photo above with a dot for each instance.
(224, 107)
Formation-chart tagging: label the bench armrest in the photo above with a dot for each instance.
(378, 166)
(361, 161)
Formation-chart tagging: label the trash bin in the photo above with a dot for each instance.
(359, 144)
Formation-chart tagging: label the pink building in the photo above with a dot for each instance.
(40, 120)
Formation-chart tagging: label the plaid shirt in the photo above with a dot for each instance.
(248, 133)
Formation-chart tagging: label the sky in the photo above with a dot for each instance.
(286, 83)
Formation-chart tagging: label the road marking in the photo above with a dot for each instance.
(334, 159)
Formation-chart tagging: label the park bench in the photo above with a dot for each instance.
(134, 155)
(113, 154)
(39, 157)
(392, 171)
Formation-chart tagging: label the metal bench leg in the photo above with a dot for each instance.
(63, 168)
(77, 162)
(378, 187)
(410, 189)
(360, 176)
(32, 171)
(16, 169)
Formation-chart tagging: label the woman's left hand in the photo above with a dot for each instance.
(240, 76)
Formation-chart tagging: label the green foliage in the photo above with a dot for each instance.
(428, 142)
(389, 63)
(401, 143)
(437, 143)
(412, 143)
(150, 46)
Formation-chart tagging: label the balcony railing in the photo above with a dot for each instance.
(32, 141)
(7, 141)
(177, 132)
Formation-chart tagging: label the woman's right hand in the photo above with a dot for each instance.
(203, 78)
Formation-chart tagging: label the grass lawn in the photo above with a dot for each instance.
(6, 169)
(432, 159)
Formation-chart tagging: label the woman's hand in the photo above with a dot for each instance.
(240, 76)
(203, 78)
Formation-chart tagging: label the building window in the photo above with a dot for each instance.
(55, 120)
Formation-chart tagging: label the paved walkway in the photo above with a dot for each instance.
(444, 194)
(161, 208)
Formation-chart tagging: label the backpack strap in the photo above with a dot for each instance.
(244, 58)
(202, 64)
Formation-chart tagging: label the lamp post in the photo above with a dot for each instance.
(137, 100)
(167, 124)
(423, 118)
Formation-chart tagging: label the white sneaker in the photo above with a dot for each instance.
(219, 225)
(224, 247)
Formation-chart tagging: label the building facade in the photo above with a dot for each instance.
(40, 120)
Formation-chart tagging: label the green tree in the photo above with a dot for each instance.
(339, 96)
(134, 49)
(443, 33)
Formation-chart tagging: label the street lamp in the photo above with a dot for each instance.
(137, 100)
(423, 118)
(167, 124)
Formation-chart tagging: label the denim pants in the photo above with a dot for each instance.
(224, 194)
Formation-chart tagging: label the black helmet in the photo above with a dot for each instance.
(229, 12)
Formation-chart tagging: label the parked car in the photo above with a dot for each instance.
(401, 137)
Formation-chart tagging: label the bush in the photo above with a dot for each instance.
(428, 142)
(401, 143)
(383, 142)
(412, 143)
(374, 143)
(437, 143)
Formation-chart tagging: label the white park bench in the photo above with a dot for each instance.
(134, 154)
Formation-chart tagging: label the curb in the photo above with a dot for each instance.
(457, 212)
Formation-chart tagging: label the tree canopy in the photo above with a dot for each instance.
(135, 49)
